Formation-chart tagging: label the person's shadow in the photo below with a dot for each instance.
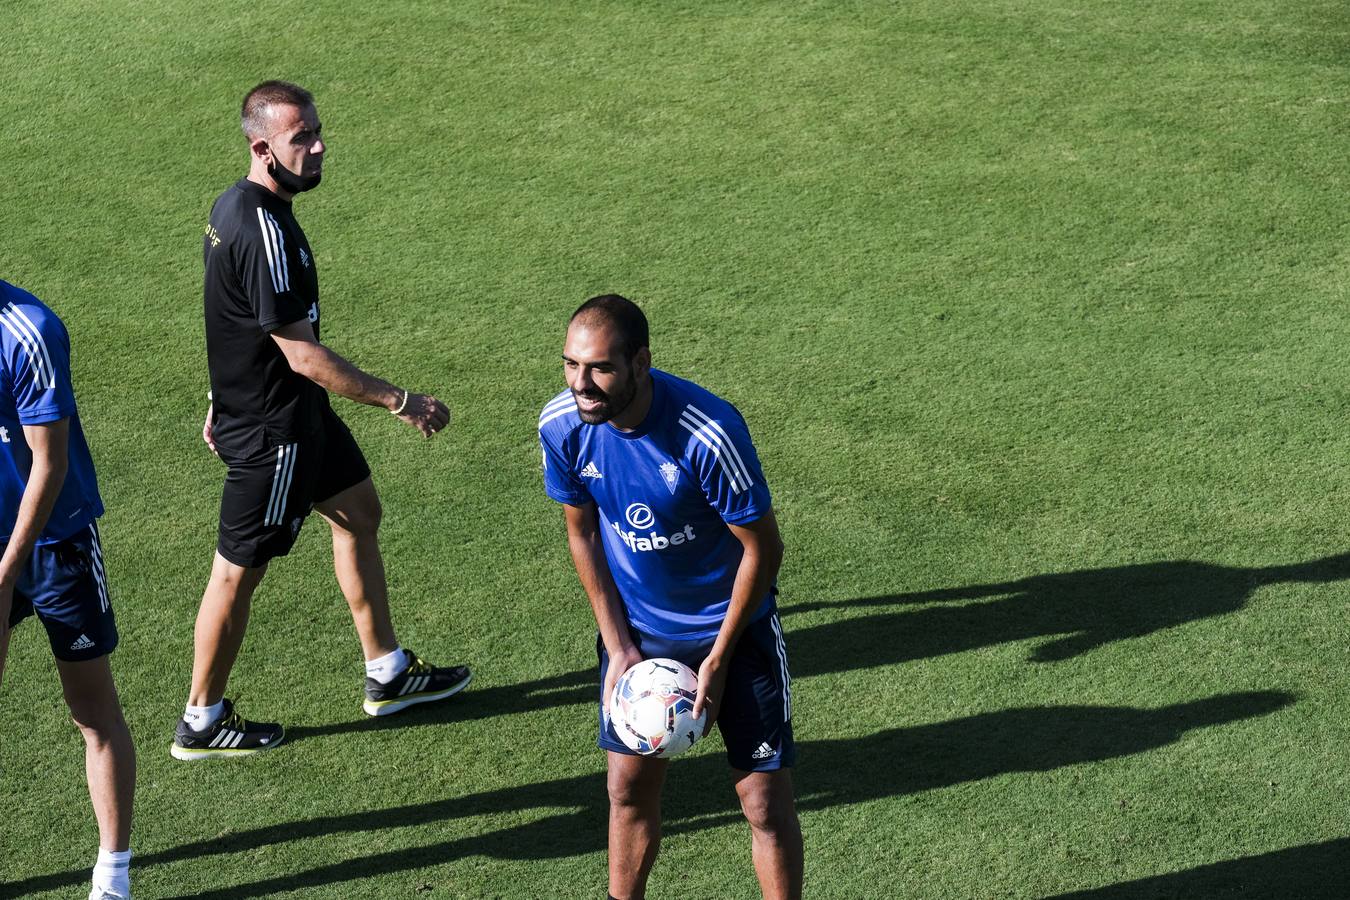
(1311, 872)
(476, 702)
(1074, 612)
(831, 773)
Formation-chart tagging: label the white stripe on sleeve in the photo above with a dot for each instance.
(271, 253)
(715, 440)
(40, 343)
(738, 463)
(281, 253)
(36, 357)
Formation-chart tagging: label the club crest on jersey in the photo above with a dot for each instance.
(671, 473)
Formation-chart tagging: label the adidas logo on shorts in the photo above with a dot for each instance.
(83, 643)
(764, 751)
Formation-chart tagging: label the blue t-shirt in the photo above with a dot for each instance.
(35, 388)
(664, 493)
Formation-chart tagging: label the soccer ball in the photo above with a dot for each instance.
(652, 708)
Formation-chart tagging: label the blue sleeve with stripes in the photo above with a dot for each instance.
(37, 355)
(724, 458)
(560, 483)
(268, 259)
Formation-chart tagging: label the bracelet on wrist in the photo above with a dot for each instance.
(402, 406)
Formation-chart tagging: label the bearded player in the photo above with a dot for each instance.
(673, 535)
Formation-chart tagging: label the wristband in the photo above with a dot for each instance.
(402, 406)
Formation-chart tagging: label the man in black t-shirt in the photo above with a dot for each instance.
(287, 451)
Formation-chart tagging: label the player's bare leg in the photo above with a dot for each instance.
(219, 632)
(634, 784)
(5, 632)
(775, 834)
(354, 515)
(109, 758)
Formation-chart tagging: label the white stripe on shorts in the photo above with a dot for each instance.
(100, 576)
(281, 484)
(781, 647)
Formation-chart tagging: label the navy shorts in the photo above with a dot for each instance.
(65, 585)
(268, 495)
(756, 714)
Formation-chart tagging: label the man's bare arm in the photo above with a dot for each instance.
(50, 444)
(334, 373)
(588, 555)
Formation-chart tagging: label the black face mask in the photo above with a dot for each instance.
(289, 181)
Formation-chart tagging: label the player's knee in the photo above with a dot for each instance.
(235, 580)
(100, 725)
(371, 515)
(360, 520)
(769, 811)
(633, 793)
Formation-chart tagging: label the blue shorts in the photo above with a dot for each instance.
(65, 585)
(756, 714)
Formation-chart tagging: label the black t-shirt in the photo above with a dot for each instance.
(260, 275)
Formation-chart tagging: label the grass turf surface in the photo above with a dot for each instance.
(1035, 310)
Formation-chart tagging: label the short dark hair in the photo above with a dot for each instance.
(620, 312)
(257, 102)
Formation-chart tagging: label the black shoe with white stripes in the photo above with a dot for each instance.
(231, 735)
(419, 683)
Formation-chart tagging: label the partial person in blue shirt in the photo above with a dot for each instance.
(672, 531)
(52, 562)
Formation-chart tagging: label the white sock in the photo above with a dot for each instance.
(111, 872)
(387, 667)
(200, 718)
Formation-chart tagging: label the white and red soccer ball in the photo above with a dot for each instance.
(652, 708)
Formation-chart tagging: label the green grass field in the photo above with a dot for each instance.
(1037, 311)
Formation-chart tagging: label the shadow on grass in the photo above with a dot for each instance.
(832, 773)
(1076, 611)
(474, 703)
(1311, 872)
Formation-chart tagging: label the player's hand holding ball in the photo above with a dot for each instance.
(652, 708)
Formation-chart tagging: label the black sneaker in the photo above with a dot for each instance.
(232, 735)
(419, 683)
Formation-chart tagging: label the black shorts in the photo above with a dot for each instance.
(268, 496)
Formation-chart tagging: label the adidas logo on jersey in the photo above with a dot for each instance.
(764, 751)
(591, 471)
(82, 643)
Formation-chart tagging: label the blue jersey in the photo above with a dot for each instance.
(35, 388)
(664, 493)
